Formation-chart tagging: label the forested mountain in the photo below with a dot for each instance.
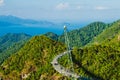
(94, 32)
(11, 50)
(109, 33)
(82, 36)
(101, 62)
(52, 36)
(13, 20)
(30, 60)
(33, 61)
(11, 43)
(10, 38)
(98, 61)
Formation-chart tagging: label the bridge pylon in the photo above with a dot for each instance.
(67, 42)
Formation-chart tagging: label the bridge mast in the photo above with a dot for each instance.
(67, 42)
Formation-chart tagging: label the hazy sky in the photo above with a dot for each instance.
(62, 10)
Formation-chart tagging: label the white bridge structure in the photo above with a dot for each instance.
(66, 72)
(59, 68)
(69, 72)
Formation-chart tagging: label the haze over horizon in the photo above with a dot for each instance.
(68, 10)
(76, 14)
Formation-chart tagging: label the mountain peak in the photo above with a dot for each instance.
(34, 58)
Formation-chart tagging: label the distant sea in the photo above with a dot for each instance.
(36, 30)
(30, 30)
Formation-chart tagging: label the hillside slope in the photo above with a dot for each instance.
(83, 36)
(109, 33)
(11, 50)
(99, 61)
(33, 61)
(11, 43)
(52, 36)
(10, 38)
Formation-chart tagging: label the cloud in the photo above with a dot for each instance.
(101, 8)
(1, 2)
(62, 6)
(79, 7)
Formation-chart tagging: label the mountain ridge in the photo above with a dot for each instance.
(33, 59)
(109, 33)
(10, 38)
(11, 43)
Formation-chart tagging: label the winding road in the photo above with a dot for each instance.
(59, 68)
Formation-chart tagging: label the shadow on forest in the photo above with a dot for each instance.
(92, 75)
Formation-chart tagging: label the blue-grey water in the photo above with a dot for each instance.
(36, 30)
(30, 30)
